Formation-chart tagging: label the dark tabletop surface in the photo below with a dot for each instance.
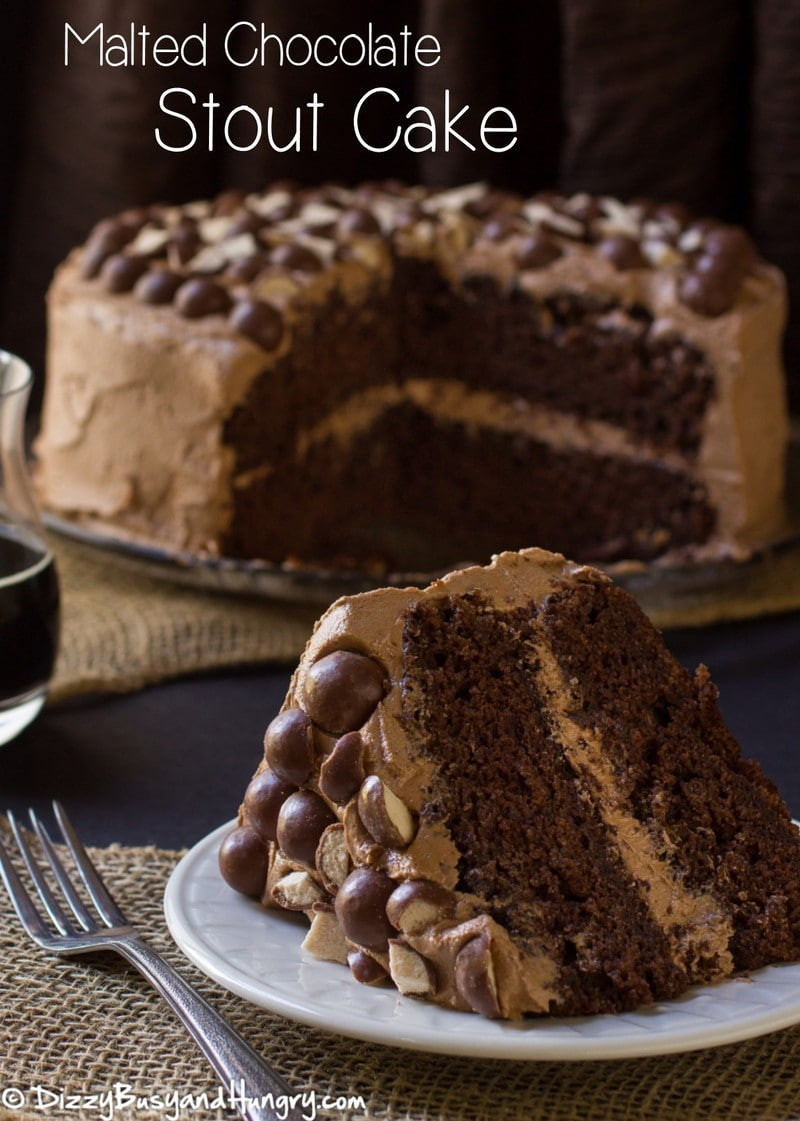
(167, 765)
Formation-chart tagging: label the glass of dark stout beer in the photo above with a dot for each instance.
(29, 597)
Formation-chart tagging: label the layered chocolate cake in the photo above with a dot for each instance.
(406, 379)
(503, 794)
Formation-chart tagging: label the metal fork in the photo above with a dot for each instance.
(257, 1091)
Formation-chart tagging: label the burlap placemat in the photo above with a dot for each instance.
(123, 629)
(70, 1029)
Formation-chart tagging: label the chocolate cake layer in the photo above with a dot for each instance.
(415, 491)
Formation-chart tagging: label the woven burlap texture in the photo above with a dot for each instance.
(123, 628)
(76, 1027)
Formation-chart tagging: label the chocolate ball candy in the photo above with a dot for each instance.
(341, 690)
(642, 206)
(385, 817)
(184, 241)
(499, 226)
(289, 746)
(392, 186)
(487, 204)
(228, 202)
(475, 977)
(708, 264)
(198, 298)
(536, 251)
(263, 799)
(584, 209)
(417, 904)
(332, 857)
(321, 229)
(408, 216)
(365, 969)
(732, 246)
(281, 213)
(258, 321)
(725, 272)
(342, 772)
(360, 906)
(138, 216)
(622, 252)
(245, 223)
(358, 221)
(158, 286)
(295, 257)
(121, 271)
(709, 291)
(674, 214)
(247, 268)
(301, 822)
(243, 860)
(108, 236)
(368, 189)
(326, 195)
(712, 285)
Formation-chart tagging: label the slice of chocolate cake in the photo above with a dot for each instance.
(504, 794)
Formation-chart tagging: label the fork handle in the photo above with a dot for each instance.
(257, 1091)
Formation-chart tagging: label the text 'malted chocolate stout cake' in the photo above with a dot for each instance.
(406, 379)
(504, 795)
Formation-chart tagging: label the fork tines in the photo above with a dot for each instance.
(23, 904)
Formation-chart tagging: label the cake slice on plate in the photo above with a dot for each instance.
(503, 793)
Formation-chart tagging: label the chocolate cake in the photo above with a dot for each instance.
(402, 378)
(503, 794)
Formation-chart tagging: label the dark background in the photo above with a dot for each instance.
(694, 100)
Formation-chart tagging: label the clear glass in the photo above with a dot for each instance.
(29, 596)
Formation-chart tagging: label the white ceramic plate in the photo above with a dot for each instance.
(256, 954)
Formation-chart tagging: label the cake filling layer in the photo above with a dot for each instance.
(451, 401)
